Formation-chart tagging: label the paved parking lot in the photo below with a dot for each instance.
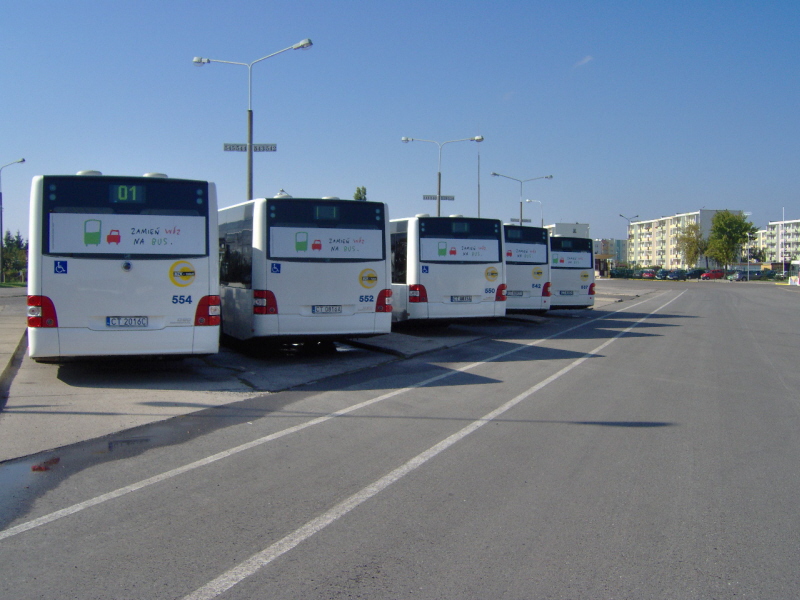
(49, 405)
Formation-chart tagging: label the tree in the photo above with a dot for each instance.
(691, 244)
(729, 232)
(361, 194)
(15, 256)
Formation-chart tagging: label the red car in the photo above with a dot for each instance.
(713, 274)
(648, 274)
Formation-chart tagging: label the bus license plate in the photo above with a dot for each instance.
(326, 309)
(126, 321)
(513, 293)
(565, 292)
(460, 298)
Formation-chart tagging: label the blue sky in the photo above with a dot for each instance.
(639, 108)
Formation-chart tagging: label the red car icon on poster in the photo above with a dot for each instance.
(316, 245)
(113, 237)
(452, 251)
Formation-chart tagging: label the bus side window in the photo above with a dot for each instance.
(399, 259)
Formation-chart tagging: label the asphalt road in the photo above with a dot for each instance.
(648, 449)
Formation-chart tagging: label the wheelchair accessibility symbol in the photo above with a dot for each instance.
(60, 267)
(276, 268)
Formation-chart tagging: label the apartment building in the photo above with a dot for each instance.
(655, 242)
(782, 241)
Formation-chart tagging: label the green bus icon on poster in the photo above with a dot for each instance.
(301, 241)
(442, 248)
(91, 232)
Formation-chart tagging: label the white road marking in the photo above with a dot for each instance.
(261, 559)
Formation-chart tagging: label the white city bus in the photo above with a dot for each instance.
(447, 268)
(527, 268)
(304, 269)
(122, 266)
(571, 272)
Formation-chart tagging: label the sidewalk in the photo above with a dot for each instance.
(13, 329)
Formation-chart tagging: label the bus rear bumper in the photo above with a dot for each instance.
(441, 310)
(322, 326)
(65, 342)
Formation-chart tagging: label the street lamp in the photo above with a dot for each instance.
(521, 181)
(2, 234)
(199, 61)
(405, 140)
(629, 219)
(541, 211)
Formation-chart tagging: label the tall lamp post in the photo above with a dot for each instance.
(629, 219)
(405, 140)
(2, 234)
(521, 181)
(199, 61)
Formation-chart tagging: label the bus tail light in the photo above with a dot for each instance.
(500, 296)
(264, 303)
(417, 293)
(384, 303)
(591, 289)
(207, 312)
(41, 312)
(546, 290)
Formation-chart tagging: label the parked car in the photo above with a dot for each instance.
(713, 274)
(677, 275)
(694, 273)
(745, 276)
(648, 274)
(621, 273)
(662, 274)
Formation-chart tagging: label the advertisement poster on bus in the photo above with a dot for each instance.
(317, 243)
(81, 233)
(454, 250)
(571, 260)
(534, 254)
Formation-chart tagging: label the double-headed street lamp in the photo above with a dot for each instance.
(629, 219)
(2, 233)
(405, 140)
(521, 181)
(199, 61)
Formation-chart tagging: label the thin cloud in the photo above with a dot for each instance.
(584, 61)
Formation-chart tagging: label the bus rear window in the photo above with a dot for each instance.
(313, 230)
(303, 212)
(460, 228)
(459, 240)
(106, 217)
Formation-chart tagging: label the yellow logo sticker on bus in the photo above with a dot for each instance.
(538, 272)
(491, 273)
(584, 276)
(182, 273)
(368, 278)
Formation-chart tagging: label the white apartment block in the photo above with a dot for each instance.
(655, 242)
(782, 241)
